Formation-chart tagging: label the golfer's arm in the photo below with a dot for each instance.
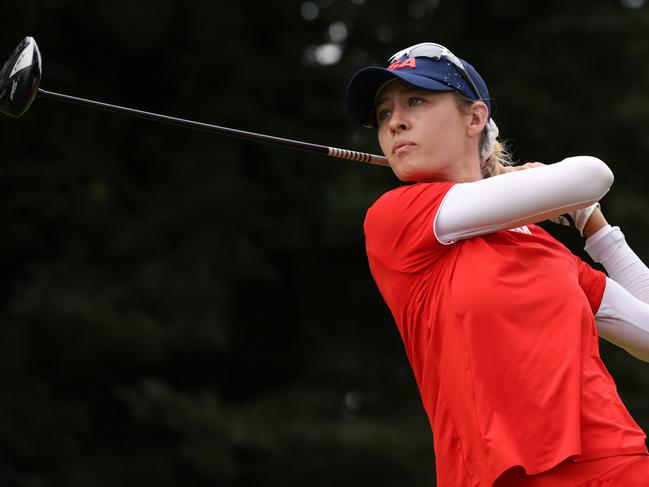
(609, 248)
(623, 316)
(521, 197)
(623, 320)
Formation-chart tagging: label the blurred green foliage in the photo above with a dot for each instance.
(183, 309)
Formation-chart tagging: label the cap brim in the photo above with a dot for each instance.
(363, 87)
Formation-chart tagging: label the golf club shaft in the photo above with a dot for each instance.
(268, 139)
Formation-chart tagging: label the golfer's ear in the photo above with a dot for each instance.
(478, 118)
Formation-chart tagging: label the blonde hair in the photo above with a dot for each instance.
(499, 156)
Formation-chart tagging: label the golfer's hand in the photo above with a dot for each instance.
(522, 167)
(578, 219)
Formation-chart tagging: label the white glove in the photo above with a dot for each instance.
(576, 219)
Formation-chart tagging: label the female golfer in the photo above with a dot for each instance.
(499, 320)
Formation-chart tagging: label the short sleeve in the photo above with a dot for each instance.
(592, 282)
(399, 226)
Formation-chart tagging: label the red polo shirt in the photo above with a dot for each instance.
(500, 333)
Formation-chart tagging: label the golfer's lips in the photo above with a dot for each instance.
(402, 146)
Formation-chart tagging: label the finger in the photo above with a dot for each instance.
(528, 165)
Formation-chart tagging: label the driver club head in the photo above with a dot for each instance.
(19, 78)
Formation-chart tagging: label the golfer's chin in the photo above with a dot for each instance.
(409, 169)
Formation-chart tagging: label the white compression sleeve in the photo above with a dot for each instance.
(623, 316)
(521, 197)
(624, 320)
(609, 247)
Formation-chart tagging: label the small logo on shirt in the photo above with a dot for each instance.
(522, 229)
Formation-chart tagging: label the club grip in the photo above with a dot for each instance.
(357, 156)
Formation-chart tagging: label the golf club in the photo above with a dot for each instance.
(20, 79)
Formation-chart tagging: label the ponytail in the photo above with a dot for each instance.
(496, 161)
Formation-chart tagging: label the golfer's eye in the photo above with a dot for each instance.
(383, 114)
(415, 100)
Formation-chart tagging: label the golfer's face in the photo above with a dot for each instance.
(422, 133)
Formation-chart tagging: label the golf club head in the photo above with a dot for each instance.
(19, 78)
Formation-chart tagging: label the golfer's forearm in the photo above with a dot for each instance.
(521, 197)
(609, 247)
(624, 320)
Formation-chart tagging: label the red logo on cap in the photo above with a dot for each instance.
(408, 63)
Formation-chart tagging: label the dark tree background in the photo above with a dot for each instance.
(178, 308)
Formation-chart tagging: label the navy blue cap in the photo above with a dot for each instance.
(423, 72)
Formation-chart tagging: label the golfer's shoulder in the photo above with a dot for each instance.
(406, 203)
(403, 197)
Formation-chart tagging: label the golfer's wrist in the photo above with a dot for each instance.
(595, 222)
